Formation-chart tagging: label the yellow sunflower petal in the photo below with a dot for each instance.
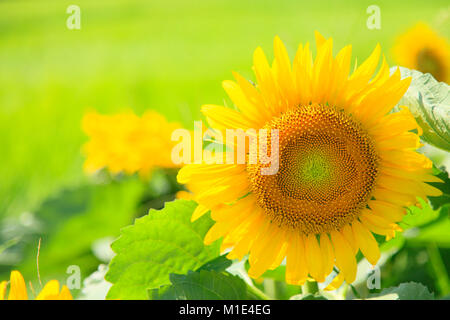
(340, 70)
(386, 210)
(206, 171)
(430, 190)
(359, 79)
(349, 236)
(321, 67)
(296, 269)
(407, 160)
(284, 74)
(407, 140)
(3, 285)
(249, 110)
(281, 254)
(382, 99)
(367, 243)
(327, 253)
(401, 185)
(65, 293)
(270, 244)
(384, 231)
(302, 69)
(198, 212)
(336, 283)
(345, 259)
(50, 291)
(253, 95)
(241, 233)
(417, 175)
(393, 197)
(314, 258)
(367, 68)
(242, 247)
(221, 228)
(17, 288)
(220, 117)
(266, 82)
(320, 39)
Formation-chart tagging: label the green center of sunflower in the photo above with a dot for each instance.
(327, 170)
(315, 168)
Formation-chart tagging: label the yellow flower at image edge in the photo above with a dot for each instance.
(347, 167)
(18, 289)
(423, 49)
(128, 143)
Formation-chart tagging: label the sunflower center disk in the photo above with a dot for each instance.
(327, 170)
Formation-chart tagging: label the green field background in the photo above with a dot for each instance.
(170, 56)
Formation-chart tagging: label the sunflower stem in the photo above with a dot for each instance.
(258, 293)
(310, 287)
(269, 287)
(442, 279)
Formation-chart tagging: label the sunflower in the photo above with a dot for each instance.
(127, 143)
(423, 49)
(347, 167)
(18, 289)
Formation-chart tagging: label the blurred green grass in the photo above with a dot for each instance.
(168, 56)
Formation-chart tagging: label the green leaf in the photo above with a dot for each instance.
(308, 296)
(219, 264)
(274, 283)
(203, 285)
(161, 243)
(429, 101)
(278, 274)
(436, 232)
(72, 221)
(437, 202)
(393, 245)
(389, 296)
(406, 291)
(419, 216)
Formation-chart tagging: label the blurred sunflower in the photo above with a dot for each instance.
(18, 289)
(423, 49)
(347, 167)
(128, 143)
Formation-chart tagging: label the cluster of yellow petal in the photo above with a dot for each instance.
(421, 48)
(127, 143)
(18, 289)
(326, 81)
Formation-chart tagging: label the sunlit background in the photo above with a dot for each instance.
(170, 56)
